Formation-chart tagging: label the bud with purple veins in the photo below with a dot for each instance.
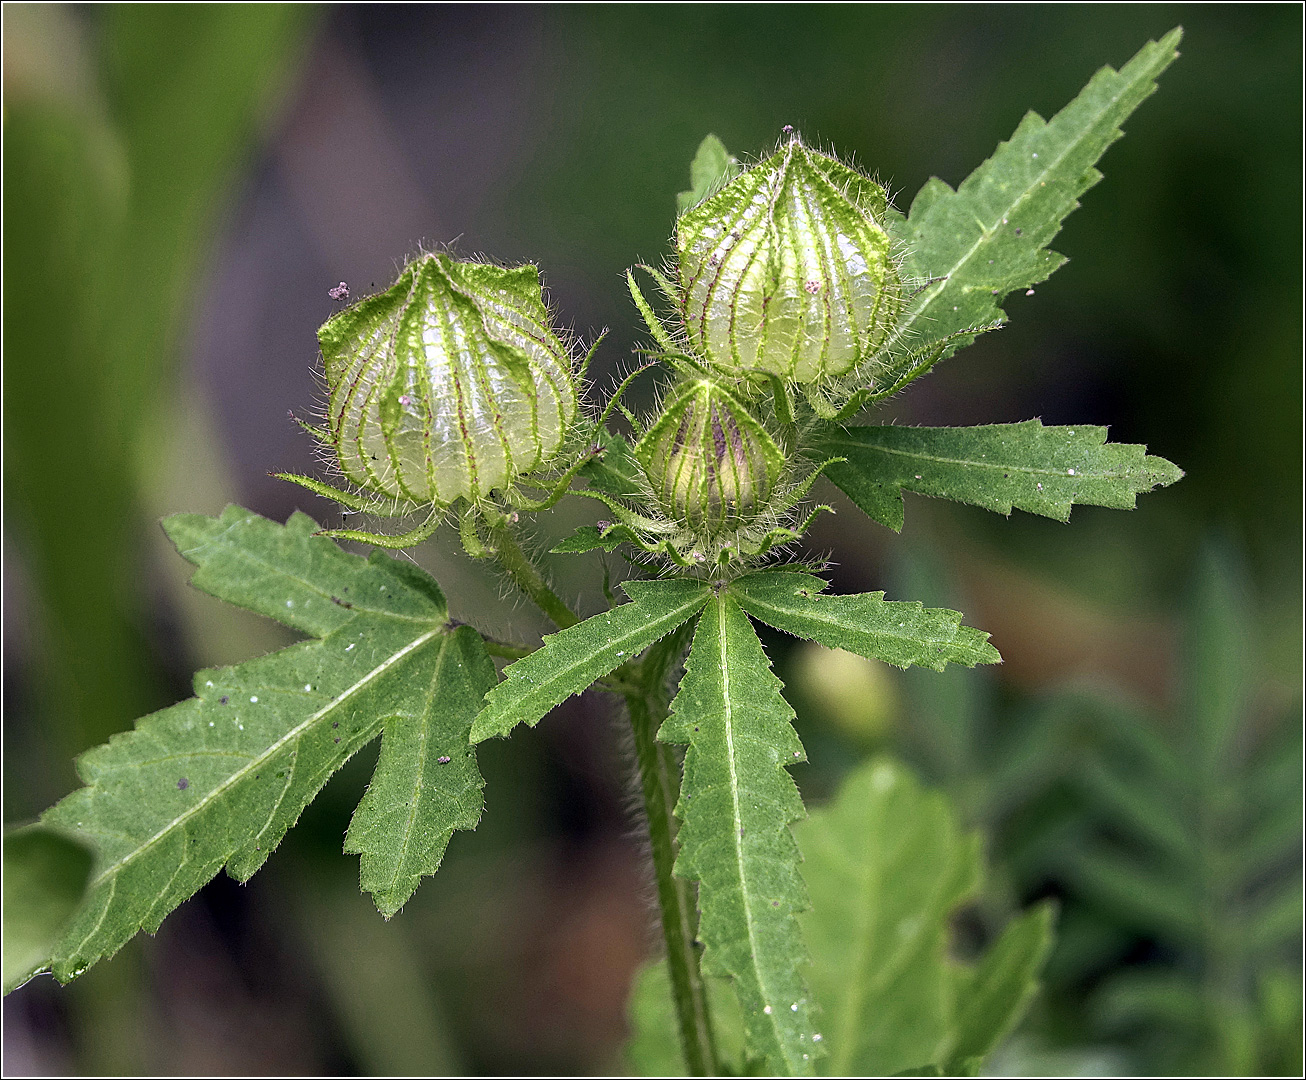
(788, 270)
(451, 384)
(710, 464)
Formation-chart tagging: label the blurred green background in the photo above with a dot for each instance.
(182, 185)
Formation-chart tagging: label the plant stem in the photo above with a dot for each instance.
(644, 688)
(659, 775)
(527, 578)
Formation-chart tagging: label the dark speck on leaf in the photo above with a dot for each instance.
(1017, 232)
(222, 700)
(337, 738)
(775, 903)
(183, 784)
(336, 724)
(444, 759)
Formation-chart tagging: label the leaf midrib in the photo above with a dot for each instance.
(850, 626)
(298, 730)
(525, 702)
(736, 838)
(910, 317)
(973, 463)
(402, 861)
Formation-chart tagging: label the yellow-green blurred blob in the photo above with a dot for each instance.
(857, 696)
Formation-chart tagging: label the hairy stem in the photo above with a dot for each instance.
(644, 688)
(528, 578)
(659, 775)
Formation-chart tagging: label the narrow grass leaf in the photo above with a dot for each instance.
(736, 803)
(569, 661)
(1000, 467)
(903, 633)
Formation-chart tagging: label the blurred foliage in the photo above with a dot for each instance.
(44, 881)
(1194, 846)
(887, 865)
(118, 156)
(1177, 321)
(1173, 842)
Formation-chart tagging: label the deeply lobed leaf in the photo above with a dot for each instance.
(887, 867)
(898, 632)
(426, 783)
(736, 803)
(218, 779)
(1001, 467)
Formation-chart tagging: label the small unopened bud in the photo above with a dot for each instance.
(788, 269)
(710, 463)
(450, 383)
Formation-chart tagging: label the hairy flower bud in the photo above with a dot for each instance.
(788, 270)
(710, 463)
(449, 384)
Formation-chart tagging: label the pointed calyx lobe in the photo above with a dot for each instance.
(788, 270)
(449, 384)
(218, 779)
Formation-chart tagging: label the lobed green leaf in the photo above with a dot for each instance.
(887, 866)
(1001, 467)
(989, 237)
(571, 660)
(898, 632)
(736, 803)
(426, 783)
(993, 996)
(218, 779)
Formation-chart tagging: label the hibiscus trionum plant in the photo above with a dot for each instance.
(794, 299)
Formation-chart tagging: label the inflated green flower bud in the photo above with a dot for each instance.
(788, 269)
(449, 384)
(710, 463)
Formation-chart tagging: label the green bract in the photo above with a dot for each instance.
(788, 270)
(449, 385)
(709, 462)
